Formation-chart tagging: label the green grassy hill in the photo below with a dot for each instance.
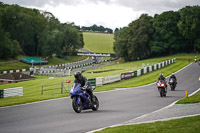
(98, 42)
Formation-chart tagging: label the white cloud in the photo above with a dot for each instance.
(110, 16)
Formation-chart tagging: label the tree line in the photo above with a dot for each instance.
(32, 32)
(96, 28)
(166, 33)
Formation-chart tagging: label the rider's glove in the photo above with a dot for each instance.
(84, 87)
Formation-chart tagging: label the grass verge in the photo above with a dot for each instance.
(183, 125)
(192, 99)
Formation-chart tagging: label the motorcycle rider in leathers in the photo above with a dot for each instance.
(162, 78)
(79, 78)
(173, 77)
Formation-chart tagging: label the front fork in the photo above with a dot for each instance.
(78, 99)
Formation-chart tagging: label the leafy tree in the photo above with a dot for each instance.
(36, 33)
(116, 29)
(168, 33)
(166, 39)
(53, 44)
(73, 40)
(139, 39)
(189, 25)
(132, 43)
(5, 44)
(120, 45)
(96, 28)
(8, 48)
(26, 26)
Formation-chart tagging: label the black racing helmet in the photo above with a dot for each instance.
(161, 75)
(78, 75)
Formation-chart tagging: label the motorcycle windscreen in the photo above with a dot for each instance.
(75, 85)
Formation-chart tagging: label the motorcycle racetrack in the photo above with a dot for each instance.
(115, 107)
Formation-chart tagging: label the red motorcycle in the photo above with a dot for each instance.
(162, 88)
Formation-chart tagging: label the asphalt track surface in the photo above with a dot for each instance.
(116, 107)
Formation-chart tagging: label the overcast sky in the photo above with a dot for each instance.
(108, 13)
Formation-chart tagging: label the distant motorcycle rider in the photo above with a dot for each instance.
(85, 85)
(162, 78)
(173, 77)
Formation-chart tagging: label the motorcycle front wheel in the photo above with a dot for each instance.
(95, 104)
(162, 92)
(77, 104)
(172, 87)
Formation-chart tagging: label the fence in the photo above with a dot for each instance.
(42, 88)
(50, 87)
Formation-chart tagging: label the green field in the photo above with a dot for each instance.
(32, 89)
(98, 42)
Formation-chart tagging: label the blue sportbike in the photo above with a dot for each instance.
(81, 99)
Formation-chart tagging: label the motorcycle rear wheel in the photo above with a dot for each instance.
(77, 106)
